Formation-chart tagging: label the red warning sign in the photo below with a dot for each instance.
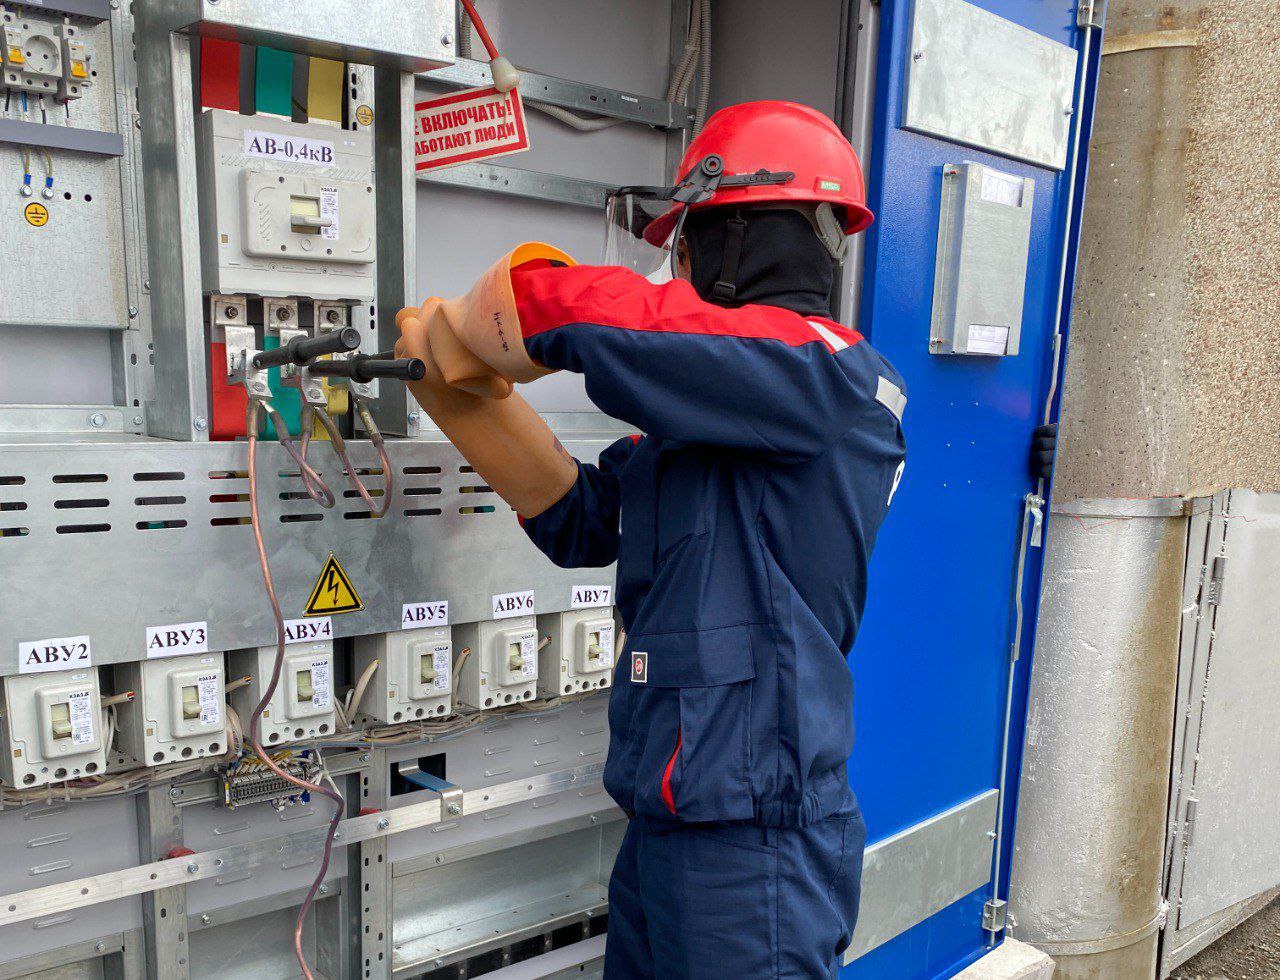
(466, 126)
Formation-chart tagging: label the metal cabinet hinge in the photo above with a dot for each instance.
(1091, 13)
(1217, 573)
(994, 914)
(1189, 824)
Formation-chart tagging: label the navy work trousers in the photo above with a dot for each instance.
(734, 900)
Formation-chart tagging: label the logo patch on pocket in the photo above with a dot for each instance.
(639, 668)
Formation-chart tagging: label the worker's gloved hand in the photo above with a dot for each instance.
(425, 333)
(1044, 442)
(476, 339)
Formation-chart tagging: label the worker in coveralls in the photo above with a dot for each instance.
(741, 516)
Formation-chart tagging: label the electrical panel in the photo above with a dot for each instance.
(497, 662)
(302, 705)
(414, 676)
(984, 239)
(177, 711)
(52, 728)
(580, 653)
(287, 209)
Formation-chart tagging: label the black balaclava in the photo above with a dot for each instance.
(782, 262)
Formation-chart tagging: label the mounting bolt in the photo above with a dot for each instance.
(384, 823)
(365, 757)
(200, 423)
(133, 312)
(137, 420)
(97, 420)
(439, 963)
(413, 418)
(323, 890)
(99, 947)
(917, 56)
(206, 919)
(1069, 111)
(594, 818)
(455, 809)
(446, 39)
(175, 793)
(146, 285)
(26, 190)
(333, 316)
(47, 193)
(192, 868)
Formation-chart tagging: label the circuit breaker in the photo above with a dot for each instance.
(580, 655)
(414, 674)
(302, 706)
(177, 711)
(497, 662)
(286, 209)
(52, 728)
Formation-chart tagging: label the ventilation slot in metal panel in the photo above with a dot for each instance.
(82, 528)
(300, 518)
(423, 512)
(420, 491)
(12, 505)
(487, 509)
(475, 488)
(80, 478)
(158, 501)
(229, 521)
(163, 477)
(13, 481)
(420, 470)
(228, 474)
(71, 504)
(159, 525)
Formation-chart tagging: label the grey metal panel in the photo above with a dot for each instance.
(978, 79)
(455, 910)
(410, 37)
(1231, 854)
(253, 950)
(155, 576)
(61, 138)
(47, 843)
(212, 825)
(923, 869)
(522, 183)
(506, 748)
(94, 9)
(570, 94)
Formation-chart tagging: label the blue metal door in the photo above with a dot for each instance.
(932, 660)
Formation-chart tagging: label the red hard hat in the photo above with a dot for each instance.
(777, 136)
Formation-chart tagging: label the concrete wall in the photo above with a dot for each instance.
(1173, 371)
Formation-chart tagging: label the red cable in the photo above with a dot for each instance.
(485, 39)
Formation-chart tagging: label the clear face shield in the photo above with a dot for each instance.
(629, 215)
(644, 224)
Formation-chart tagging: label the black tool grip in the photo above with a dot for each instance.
(300, 350)
(363, 368)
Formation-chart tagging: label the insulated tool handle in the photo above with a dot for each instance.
(300, 350)
(363, 368)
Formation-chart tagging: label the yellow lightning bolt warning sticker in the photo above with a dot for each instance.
(333, 593)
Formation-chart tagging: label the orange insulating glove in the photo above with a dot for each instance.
(476, 339)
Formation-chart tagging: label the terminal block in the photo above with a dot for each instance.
(302, 705)
(52, 728)
(498, 662)
(580, 656)
(250, 781)
(414, 675)
(178, 709)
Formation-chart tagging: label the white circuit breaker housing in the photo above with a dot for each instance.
(286, 209)
(501, 662)
(414, 676)
(178, 709)
(581, 654)
(302, 706)
(32, 54)
(52, 728)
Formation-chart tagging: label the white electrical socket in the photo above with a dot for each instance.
(302, 705)
(414, 676)
(52, 728)
(178, 710)
(581, 654)
(501, 666)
